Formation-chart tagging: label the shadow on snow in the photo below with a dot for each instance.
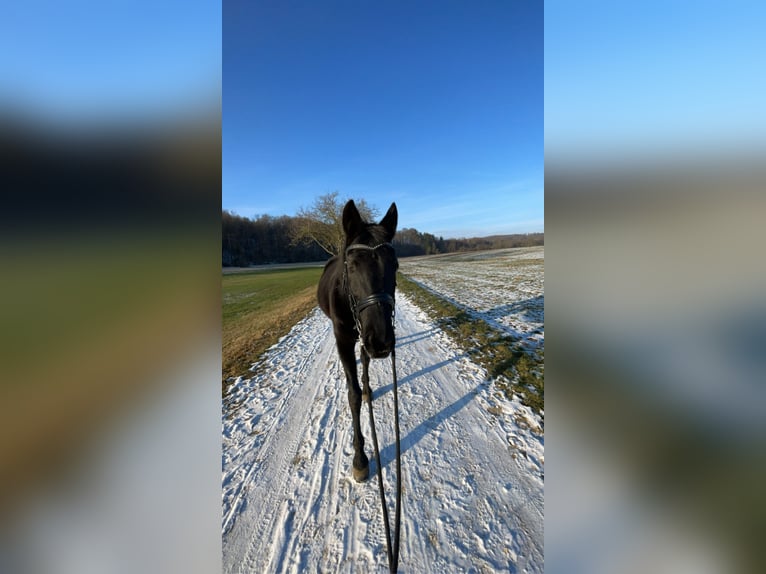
(413, 437)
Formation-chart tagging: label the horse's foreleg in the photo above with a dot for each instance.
(361, 462)
(366, 392)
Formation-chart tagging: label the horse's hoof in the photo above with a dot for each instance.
(361, 474)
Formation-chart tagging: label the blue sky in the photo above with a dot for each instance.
(435, 105)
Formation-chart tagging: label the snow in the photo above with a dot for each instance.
(473, 469)
(505, 287)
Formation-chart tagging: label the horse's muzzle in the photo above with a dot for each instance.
(378, 348)
(378, 353)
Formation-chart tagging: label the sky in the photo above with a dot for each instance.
(437, 106)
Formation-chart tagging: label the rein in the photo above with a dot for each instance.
(356, 308)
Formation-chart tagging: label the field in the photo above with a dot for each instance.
(260, 306)
(472, 457)
(492, 304)
(504, 287)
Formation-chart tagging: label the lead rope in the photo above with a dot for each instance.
(398, 519)
(393, 556)
(398, 511)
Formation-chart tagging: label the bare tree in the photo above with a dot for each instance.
(322, 223)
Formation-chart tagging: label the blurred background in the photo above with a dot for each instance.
(110, 170)
(655, 287)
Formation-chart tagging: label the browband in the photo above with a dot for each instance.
(354, 246)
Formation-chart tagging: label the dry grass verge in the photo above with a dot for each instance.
(258, 309)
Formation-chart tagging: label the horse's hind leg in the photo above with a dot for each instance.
(361, 465)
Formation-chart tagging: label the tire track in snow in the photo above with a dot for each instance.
(468, 504)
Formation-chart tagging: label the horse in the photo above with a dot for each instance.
(356, 291)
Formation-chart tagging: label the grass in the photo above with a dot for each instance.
(515, 370)
(260, 307)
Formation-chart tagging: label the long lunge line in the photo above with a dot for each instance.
(393, 553)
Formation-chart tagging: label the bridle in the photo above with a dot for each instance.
(356, 308)
(375, 299)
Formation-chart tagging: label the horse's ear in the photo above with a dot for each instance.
(352, 221)
(389, 222)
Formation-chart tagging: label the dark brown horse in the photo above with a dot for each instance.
(356, 292)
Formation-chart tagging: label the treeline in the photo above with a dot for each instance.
(263, 240)
(267, 239)
(410, 242)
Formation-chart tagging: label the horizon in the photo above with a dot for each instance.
(399, 228)
(440, 111)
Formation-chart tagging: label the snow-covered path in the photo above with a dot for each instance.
(472, 469)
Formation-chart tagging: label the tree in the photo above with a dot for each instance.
(322, 223)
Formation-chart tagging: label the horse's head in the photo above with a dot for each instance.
(370, 277)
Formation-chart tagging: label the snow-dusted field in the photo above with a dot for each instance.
(505, 286)
(472, 469)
